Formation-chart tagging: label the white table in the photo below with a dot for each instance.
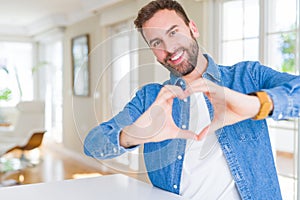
(110, 187)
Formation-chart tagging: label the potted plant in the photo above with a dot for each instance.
(5, 93)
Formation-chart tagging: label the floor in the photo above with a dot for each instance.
(48, 165)
(55, 166)
(286, 168)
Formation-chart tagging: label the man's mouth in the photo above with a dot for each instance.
(177, 57)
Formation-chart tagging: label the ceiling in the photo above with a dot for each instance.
(31, 17)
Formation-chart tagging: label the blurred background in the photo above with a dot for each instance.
(74, 55)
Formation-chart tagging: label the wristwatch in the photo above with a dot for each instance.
(266, 105)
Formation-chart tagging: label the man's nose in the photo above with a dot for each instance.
(170, 46)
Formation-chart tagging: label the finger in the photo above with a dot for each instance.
(211, 128)
(203, 133)
(172, 91)
(200, 85)
(186, 134)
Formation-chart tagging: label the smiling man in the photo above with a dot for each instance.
(175, 47)
(204, 130)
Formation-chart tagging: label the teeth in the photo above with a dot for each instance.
(178, 55)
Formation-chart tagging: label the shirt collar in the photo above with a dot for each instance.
(212, 73)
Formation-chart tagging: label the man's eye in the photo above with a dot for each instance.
(172, 33)
(155, 44)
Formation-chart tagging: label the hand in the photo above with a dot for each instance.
(156, 124)
(229, 106)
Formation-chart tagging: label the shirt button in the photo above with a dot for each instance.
(175, 186)
(280, 116)
(101, 154)
(183, 126)
(185, 100)
(181, 82)
(179, 157)
(115, 150)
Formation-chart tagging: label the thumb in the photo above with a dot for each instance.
(211, 128)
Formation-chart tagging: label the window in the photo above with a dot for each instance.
(267, 31)
(240, 31)
(26, 81)
(281, 35)
(124, 77)
(50, 86)
(16, 71)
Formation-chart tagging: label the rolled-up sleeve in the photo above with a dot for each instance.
(286, 100)
(102, 142)
(284, 90)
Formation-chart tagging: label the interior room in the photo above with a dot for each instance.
(63, 62)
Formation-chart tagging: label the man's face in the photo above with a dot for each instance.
(172, 42)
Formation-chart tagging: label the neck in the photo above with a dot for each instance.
(198, 71)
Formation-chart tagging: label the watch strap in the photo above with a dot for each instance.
(265, 105)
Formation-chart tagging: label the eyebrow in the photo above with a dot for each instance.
(167, 31)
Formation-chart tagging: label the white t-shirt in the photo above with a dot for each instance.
(205, 173)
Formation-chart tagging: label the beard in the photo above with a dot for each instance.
(188, 64)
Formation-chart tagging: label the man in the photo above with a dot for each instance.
(211, 146)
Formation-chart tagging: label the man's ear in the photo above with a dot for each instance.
(194, 29)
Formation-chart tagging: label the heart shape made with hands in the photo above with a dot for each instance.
(157, 124)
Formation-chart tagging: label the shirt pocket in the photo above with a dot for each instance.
(250, 130)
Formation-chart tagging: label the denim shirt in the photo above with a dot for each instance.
(246, 145)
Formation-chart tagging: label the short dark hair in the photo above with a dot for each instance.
(151, 8)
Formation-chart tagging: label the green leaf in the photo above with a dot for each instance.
(5, 94)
